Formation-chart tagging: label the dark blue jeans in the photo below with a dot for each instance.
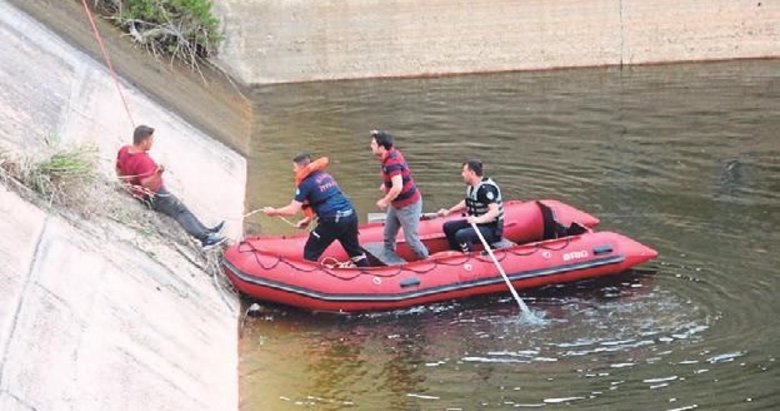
(167, 203)
(461, 236)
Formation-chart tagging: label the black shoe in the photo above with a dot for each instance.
(212, 240)
(217, 229)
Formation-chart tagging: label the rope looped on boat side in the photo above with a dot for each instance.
(329, 264)
(333, 262)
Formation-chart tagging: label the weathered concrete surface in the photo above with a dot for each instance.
(20, 222)
(94, 315)
(273, 41)
(91, 322)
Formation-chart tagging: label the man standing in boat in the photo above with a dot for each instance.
(402, 199)
(337, 217)
(484, 206)
(144, 179)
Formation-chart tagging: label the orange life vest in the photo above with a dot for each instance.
(316, 165)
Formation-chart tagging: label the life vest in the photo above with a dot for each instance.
(478, 208)
(316, 165)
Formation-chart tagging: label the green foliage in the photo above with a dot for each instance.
(62, 171)
(184, 29)
(64, 177)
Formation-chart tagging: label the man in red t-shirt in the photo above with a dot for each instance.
(402, 199)
(144, 179)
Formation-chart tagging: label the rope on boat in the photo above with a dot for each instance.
(333, 262)
(327, 265)
(309, 228)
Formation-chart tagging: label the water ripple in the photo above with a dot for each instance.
(682, 158)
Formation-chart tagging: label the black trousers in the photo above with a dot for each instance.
(461, 236)
(330, 229)
(168, 204)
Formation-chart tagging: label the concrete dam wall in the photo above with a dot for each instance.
(279, 41)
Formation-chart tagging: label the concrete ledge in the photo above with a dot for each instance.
(291, 41)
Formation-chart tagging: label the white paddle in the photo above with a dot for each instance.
(485, 244)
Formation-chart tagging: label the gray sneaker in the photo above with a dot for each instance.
(212, 240)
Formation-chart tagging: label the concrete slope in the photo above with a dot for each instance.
(95, 315)
(55, 95)
(91, 322)
(211, 101)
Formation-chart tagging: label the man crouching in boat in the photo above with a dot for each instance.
(337, 217)
(484, 206)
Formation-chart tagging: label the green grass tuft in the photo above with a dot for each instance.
(65, 177)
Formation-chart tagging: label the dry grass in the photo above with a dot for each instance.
(65, 178)
(61, 178)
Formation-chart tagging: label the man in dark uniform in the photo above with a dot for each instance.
(484, 206)
(337, 217)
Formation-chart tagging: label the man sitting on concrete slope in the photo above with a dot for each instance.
(144, 178)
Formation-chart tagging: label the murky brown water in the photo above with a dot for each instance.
(685, 158)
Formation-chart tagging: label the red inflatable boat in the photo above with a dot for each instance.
(545, 242)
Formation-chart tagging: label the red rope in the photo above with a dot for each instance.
(108, 60)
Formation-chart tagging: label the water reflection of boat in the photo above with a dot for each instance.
(549, 242)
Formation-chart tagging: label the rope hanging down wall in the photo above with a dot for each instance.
(99, 39)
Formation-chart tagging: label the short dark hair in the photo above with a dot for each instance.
(141, 133)
(475, 166)
(383, 138)
(302, 159)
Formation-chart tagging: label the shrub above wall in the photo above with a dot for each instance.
(180, 29)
